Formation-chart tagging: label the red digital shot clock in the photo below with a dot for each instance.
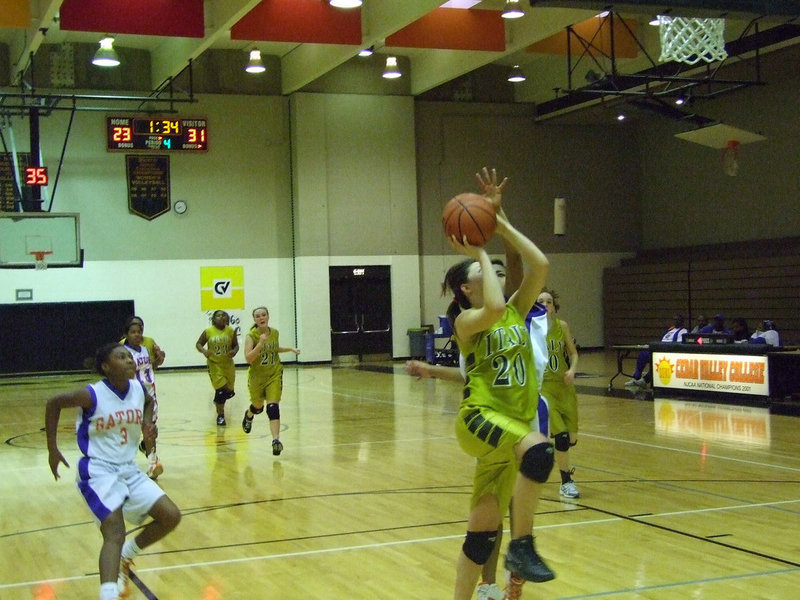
(36, 176)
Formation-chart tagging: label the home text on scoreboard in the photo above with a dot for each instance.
(156, 133)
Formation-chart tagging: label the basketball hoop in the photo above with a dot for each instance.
(39, 258)
(690, 40)
(730, 158)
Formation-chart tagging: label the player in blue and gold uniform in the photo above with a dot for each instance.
(219, 344)
(265, 375)
(502, 421)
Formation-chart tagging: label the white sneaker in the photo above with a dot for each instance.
(635, 383)
(569, 490)
(489, 591)
(124, 578)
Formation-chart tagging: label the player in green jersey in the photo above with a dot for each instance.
(501, 400)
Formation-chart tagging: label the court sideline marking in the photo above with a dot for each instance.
(611, 517)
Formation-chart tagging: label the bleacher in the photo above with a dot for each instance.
(754, 280)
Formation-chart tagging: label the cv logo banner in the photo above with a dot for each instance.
(221, 288)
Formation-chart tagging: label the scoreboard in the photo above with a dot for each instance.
(159, 134)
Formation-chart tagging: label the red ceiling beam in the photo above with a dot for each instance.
(302, 21)
(599, 32)
(451, 29)
(174, 18)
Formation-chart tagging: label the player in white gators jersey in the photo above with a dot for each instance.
(144, 373)
(112, 416)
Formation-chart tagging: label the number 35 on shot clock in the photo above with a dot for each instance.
(36, 176)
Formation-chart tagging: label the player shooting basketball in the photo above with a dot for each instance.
(494, 422)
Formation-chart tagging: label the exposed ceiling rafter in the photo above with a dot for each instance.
(663, 80)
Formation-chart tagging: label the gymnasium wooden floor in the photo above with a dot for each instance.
(368, 500)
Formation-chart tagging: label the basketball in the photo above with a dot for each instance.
(470, 215)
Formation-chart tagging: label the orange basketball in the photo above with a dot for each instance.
(470, 215)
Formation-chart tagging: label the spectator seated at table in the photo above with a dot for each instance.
(766, 334)
(674, 334)
(717, 326)
(741, 332)
(700, 322)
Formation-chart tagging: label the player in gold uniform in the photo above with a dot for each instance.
(559, 389)
(219, 344)
(501, 400)
(265, 375)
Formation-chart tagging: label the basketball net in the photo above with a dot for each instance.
(730, 158)
(690, 40)
(40, 260)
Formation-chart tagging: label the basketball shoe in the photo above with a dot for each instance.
(277, 447)
(489, 591)
(124, 578)
(221, 421)
(569, 490)
(523, 561)
(247, 423)
(513, 589)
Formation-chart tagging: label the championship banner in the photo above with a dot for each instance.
(221, 288)
(723, 373)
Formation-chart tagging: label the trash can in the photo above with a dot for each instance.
(416, 339)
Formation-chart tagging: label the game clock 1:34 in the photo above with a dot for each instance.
(156, 133)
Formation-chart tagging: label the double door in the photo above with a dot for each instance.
(361, 310)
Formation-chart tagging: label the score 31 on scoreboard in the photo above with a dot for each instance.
(159, 134)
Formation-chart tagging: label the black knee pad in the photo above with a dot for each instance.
(220, 396)
(256, 411)
(478, 545)
(537, 462)
(562, 441)
(273, 411)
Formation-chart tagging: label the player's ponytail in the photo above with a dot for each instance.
(456, 276)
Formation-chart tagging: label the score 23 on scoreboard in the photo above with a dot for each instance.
(158, 134)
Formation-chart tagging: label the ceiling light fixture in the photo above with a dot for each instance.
(680, 100)
(367, 51)
(346, 3)
(255, 64)
(106, 56)
(621, 117)
(512, 10)
(516, 75)
(391, 70)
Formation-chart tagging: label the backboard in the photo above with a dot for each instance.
(718, 135)
(23, 234)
